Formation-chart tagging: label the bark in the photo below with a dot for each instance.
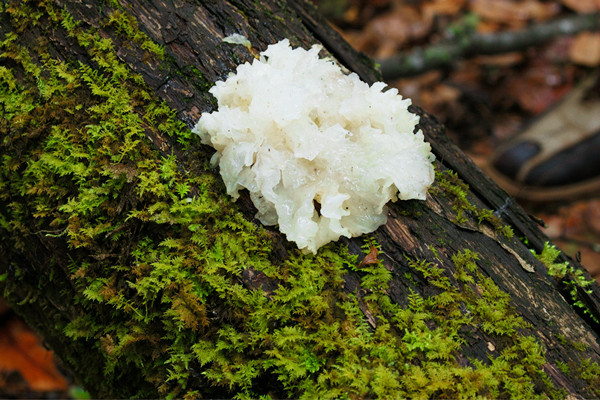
(140, 296)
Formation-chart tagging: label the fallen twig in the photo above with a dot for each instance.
(445, 54)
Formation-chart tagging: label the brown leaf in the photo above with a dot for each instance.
(442, 7)
(582, 6)
(439, 98)
(592, 216)
(585, 49)
(590, 259)
(514, 13)
(535, 89)
(389, 31)
(370, 258)
(555, 225)
(21, 350)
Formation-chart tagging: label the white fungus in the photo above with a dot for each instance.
(320, 152)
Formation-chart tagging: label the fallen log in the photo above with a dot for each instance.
(119, 245)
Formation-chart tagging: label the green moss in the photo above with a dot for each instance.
(410, 209)
(127, 26)
(436, 328)
(448, 184)
(589, 371)
(573, 279)
(203, 83)
(564, 368)
(160, 259)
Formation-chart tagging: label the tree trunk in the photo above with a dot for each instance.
(119, 245)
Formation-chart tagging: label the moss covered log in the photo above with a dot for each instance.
(119, 245)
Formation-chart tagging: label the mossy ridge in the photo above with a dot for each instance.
(571, 278)
(93, 178)
(448, 184)
(583, 367)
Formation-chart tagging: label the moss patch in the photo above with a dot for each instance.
(448, 184)
(572, 279)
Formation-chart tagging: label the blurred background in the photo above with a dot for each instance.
(495, 67)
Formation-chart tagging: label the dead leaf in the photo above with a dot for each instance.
(585, 49)
(21, 350)
(536, 89)
(370, 258)
(592, 216)
(555, 225)
(442, 7)
(389, 31)
(582, 6)
(487, 26)
(512, 13)
(439, 97)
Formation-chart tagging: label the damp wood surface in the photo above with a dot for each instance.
(139, 296)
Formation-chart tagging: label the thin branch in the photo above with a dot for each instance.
(445, 54)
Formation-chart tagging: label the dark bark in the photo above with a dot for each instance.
(40, 279)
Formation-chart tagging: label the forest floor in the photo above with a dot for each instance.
(483, 101)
